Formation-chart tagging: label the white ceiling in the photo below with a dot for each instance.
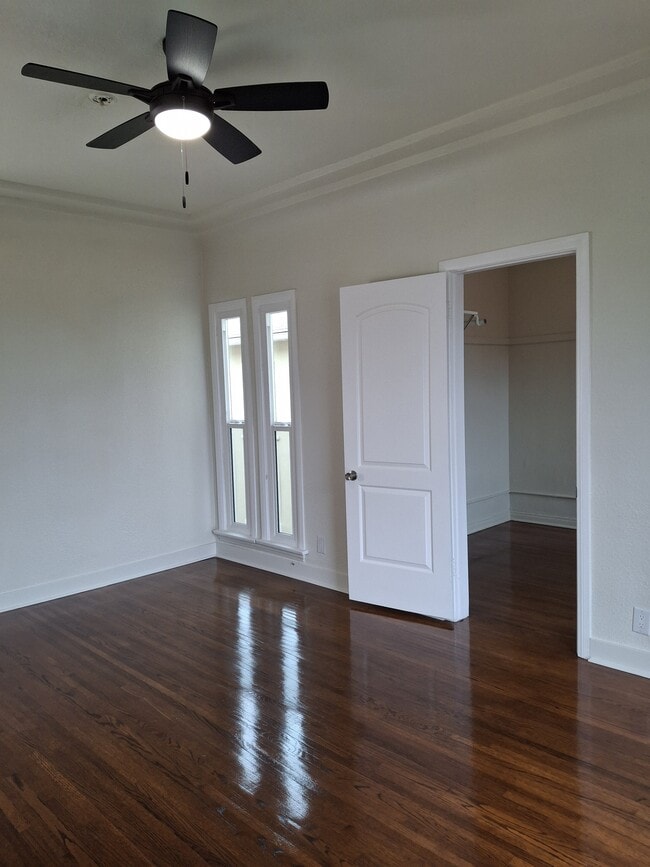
(401, 74)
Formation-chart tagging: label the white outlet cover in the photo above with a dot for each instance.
(641, 621)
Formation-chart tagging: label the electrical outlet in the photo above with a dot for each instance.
(320, 544)
(641, 621)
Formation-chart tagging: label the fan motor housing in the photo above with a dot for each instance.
(167, 97)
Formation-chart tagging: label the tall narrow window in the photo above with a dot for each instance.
(235, 415)
(233, 402)
(259, 479)
(274, 322)
(280, 405)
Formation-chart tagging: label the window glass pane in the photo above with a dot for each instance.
(277, 324)
(238, 474)
(283, 481)
(233, 369)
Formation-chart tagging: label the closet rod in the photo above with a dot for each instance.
(474, 318)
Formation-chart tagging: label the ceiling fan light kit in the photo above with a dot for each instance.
(184, 124)
(182, 117)
(182, 107)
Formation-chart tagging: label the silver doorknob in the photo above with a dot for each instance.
(351, 476)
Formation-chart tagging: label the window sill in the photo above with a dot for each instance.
(262, 545)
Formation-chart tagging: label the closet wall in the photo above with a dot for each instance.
(487, 400)
(520, 395)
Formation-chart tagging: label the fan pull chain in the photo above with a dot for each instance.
(186, 174)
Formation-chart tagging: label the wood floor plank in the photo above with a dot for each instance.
(215, 714)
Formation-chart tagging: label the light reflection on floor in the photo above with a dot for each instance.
(248, 716)
(295, 777)
(296, 781)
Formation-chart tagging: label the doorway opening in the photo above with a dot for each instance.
(525, 376)
(520, 437)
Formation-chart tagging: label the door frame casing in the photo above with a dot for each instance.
(579, 246)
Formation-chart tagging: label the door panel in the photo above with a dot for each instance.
(412, 545)
(396, 438)
(395, 375)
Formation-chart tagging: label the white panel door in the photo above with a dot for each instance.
(395, 363)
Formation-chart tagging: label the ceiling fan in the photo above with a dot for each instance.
(181, 107)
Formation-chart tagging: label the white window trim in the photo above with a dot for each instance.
(259, 531)
(225, 510)
(260, 306)
(260, 545)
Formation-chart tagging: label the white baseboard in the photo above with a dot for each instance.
(488, 511)
(545, 520)
(19, 598)
(547, 509)
(632, 660)
(323, 576)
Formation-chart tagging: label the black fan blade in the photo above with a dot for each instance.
(123, 133)
(288, 96)
(230, 142)
(78, 79)
(189, 43)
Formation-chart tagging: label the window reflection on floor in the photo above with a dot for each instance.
(296, 780)
(247, 754)
(287, 755)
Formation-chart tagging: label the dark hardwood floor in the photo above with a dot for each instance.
(218, 714)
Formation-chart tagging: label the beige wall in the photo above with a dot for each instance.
(105, 456)
(520, 395)
(588, 173)
(542, 317)
(487, 399)
(542, 298)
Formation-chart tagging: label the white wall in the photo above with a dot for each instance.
(590, 173)
(105, 467)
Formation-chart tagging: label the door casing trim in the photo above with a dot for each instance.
(580, 246)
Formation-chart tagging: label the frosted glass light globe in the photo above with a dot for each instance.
(182, 123)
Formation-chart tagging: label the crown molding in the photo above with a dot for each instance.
(76, 204)
(591, 89)
(588, 90)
